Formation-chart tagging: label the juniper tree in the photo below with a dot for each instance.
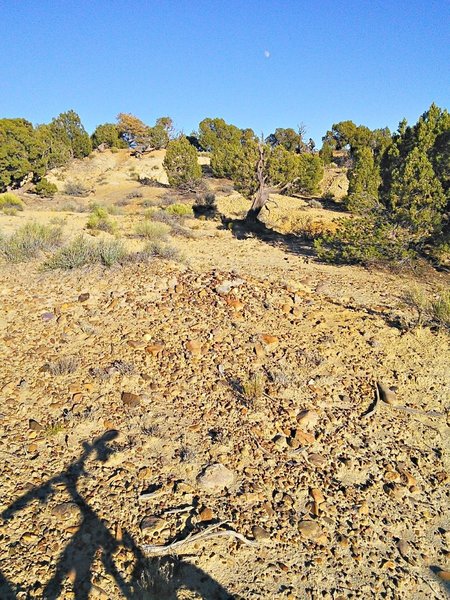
(181, 163)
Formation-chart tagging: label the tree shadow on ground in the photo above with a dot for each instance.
(151, 578)
(243, 229)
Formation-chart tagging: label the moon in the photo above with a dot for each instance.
(266, 53)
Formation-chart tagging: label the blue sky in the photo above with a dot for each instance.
(256, 63)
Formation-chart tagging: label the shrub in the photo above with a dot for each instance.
(9, 200)
(100, 221)
(45, 189)
(110, 252)
(366, 241)
(314, 203)
(430, 310)
(134, 194)
(363, 204)
(162, 216)
(28, 241)
(160, 250)
(77, 254)
(75, 188)
(152, 230)
(83, 252)
(181, 210)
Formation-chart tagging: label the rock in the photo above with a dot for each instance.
(307, 419)
(259, 351)
(66, 510)
(317, 495)
(154, 349)
(84, 297)
(270, 341)
(226, 286)
(404, 548)
(153, 525)
(235, 303)
(131, 400)
(47, 316)
(386, 394)
(215, 477)
(29, 538)
(304, 438)
(260, 534)
(311, 530)
(34, 425)
(194, 347)
(206, 515)
(316, 459)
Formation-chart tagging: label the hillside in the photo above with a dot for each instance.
(326, 409)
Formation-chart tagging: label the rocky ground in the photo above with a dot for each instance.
(249, 387)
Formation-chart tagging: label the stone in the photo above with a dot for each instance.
(316, 459)
(270, 341)
(386, 394)
(215, 477)
(304, 438)
(260, 534)
(153, 525)
(84, 297)
(194, 347)
(66, 510)
(317, 495)
(47, 316)
(35, 425)
(206, 515)
(154, 349)
(131, 400)
(311, 530)
(307, 419)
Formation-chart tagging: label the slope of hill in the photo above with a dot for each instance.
(327, 412)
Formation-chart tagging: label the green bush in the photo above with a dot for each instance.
(82, 252)
(9, 200)
(99, 220)
(152, 230)
(29, 241)
(181, 210)
(45, 188)
(365, 241)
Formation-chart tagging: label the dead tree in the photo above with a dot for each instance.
(262, 193)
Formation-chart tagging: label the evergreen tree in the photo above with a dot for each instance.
(107, 134)
(68, 129)
(417, 196)
(181, 163)
(215, 132)
(21, 152)
(364, 181)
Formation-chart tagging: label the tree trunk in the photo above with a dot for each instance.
(262, 195)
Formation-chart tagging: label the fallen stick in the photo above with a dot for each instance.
(196, 537)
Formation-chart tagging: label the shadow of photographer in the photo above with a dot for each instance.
(155, 578)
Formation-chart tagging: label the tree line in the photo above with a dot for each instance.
(399, 183)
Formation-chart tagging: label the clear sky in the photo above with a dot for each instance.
(256, 63)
